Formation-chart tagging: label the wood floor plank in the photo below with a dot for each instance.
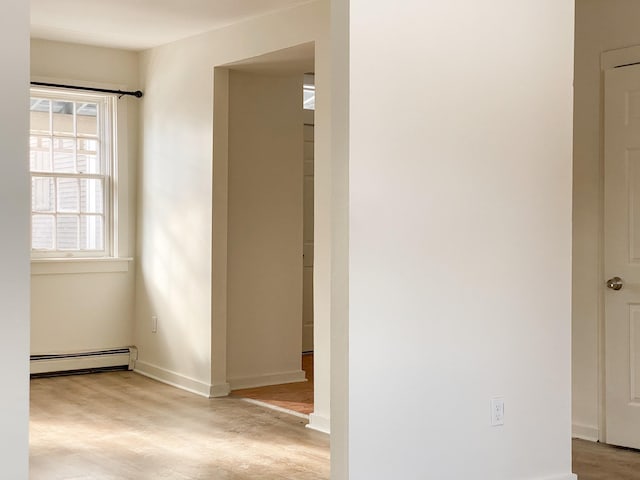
(121, 425)
(290, 396)
(597, 461)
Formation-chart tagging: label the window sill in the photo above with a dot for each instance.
(66, 266)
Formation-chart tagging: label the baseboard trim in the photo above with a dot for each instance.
(174, 379)
(220, 390)
(568, 476)
(266, 380)
(585, 432)
(319, 423)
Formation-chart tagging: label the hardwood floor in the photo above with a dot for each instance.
(290, 396)
(596, 461)
(122, 425)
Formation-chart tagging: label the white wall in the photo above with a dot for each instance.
(14, 255)
(601, 25)
(176, 191)
(265, 229)
(460, 238)
(86, 311)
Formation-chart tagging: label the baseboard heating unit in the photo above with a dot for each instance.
(84, 362)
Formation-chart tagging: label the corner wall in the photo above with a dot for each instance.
(177, 188)
(14, 255)
(601, 25)
(460, 137)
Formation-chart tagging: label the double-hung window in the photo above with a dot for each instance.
(72, 162)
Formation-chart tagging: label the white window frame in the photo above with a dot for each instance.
(107, 133)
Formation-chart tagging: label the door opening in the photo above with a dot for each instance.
(270, 237)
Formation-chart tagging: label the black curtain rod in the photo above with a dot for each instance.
(137, 93)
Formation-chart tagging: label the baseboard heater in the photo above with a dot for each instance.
(84, 362)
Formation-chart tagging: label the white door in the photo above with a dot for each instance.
(622, 255)
(307, 279)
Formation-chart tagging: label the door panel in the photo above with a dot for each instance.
(622, 255)
(307, 279)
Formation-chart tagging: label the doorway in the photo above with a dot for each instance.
(603, 318)
(270, 223)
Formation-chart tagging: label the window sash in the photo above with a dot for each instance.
(93, 212)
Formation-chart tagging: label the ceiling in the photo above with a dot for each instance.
(140, 24)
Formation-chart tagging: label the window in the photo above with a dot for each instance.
(309, 92)
(72, 162)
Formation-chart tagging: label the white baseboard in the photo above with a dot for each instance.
(174, 379)
(319, 423)
(567, 476)
(269, 379)
(585, 432)
(83, 360)
(220, 390)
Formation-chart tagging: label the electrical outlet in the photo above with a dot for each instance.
(154, 324)
(497, 411)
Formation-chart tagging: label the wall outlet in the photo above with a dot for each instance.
(154, 324)
(497, 411)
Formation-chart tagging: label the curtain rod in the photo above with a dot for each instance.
(137, 93)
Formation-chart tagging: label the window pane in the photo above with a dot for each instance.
(87, 146)
(88, 158)
(91, 232)
(42, 194)
(63, 155)
(309, 99)
(88, 164)
(40, 154)
(91, 196)
(42, 232)
(62, 117)
(67, 232)
(40, 120)
(68, 195)
(86, 116)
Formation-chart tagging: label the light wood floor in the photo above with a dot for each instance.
(596, 461)
(292, 396)
(122, 426)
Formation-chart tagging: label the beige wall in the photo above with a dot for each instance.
(265, 228)
(460, 133)
(84, 311)
(177, 190)
(339, 235)
(325, 200)
(600, 25)
(14, 255)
